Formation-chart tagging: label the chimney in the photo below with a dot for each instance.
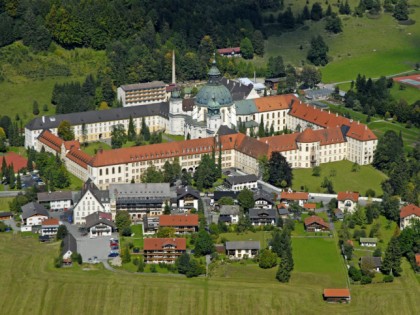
(43, 119)
(173, 68)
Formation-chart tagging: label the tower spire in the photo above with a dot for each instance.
(173, 67)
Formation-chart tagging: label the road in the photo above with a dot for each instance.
(10, 193)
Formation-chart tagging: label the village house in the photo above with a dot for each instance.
(92, 200)
(373, 263)
(316, 224)
(242, 249)
(230, 52)
(56, 200)
(337, 295)
(183, 223)
(150, 224)
(347, 201)
(187, 198)
(69, 248)
(6, 216)
(239, 183)
(50, 227)
(409, 213)
(368, 241)
(100, 224)
(283, 211)
(33, 214)
(259, 216)
(300, 197)
(140, 199)
(263, 199)
(163, 250)
(339, 214)
(310, 207)
(229, 214)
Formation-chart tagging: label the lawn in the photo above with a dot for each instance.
(136, 239)
(33, 285)
(360, 48)
(174, 137)
(262, 236)
(92, 147)
(409, 93)
(4, 203)
(319, 257)
(367, 177)
(30, 77)
(300, 226)
(75, 182)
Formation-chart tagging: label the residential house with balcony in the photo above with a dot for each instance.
(163, 250)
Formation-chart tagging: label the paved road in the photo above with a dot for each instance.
(10, 193)
(13, 225)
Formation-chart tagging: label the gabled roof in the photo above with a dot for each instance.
(99, 217)
(70, 244)
(282, 142)
(243, 245)
(274, 103)
(187, 190)
(79, 157)
(241, 179)
(368, 240)
(97, 116)
(309, 206)
(409, 210)
(54, 196)
(337, 293)
(377, 261)
(160, 243)
(238, 90)
(50, 222)
(294, 195)
(179, 220)
(225, 130)
(348, 195)
(143, 86)
(229, 210)
(102, 196)
(33, 208)
(229, 50)
(264, 195)
(51, 140)
(315, 219)
(257, 213)
(245, 107)
(6, 214)
(307, 136)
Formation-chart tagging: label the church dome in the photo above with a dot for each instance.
(213, 89)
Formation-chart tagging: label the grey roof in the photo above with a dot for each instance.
(101, 195)
(143, 86)
(70, 244)
(256, 213)
(245, 107)
(225, 130)
(237, 90)
(140, 190)
(377, 261)
(6, 214)
(229, 210)
(33, 208)
(262, 194)
(95, 218)
(243, 245)
(368, 240)
(54, 196)
(95, 116)
(283, 211)
(235, 180)
(188, 190)
(251, 123)
(318, 93)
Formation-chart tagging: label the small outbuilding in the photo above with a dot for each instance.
(368, 241)
(6, 216)
(337, 295)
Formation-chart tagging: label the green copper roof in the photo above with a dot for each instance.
(175, 94)
(245, 107)
(214, 89)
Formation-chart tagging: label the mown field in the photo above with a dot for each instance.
(4, 203)
(344, 180)
(360, 48)
(34, 286)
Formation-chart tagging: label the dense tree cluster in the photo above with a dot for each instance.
(280, 171)
(188, 266)
(281, 244)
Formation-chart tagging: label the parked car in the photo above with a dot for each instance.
(113, 254)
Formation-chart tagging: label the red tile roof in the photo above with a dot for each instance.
(329, 136)
(336, 293)
(418, 259)
(51, 140)
(294, 195)
(281, 205)
(307, 136)
(348, 195)
(277, 102)
(79, 157)
(72, 144)
(159, 243)
(309, 206)
(17, 160)
(178, 220)
(326, 119)
(51, 221)
(409, 210)
(281, 143)
(315, 219)
(229, 50)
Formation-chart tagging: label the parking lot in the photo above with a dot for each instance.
(91, 247)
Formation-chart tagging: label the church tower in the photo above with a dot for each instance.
(214, 119)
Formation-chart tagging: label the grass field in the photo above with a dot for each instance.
(410, 94)
(75, 182)
(30, 77)
(94, 146)
(367, 177)
(360, 48)
(4, 203)
(34, 286)
(262, 236)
